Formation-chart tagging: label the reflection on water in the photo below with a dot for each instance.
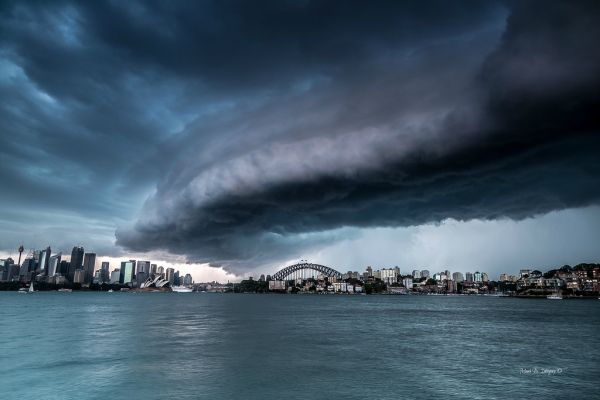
(156, 345)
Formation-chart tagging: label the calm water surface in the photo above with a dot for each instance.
(189, 346)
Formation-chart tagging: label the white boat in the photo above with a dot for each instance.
(555, 296)
(182, 289)
(30, 290)
(110, 291)
(67, 290)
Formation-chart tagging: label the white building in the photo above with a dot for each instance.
(389, 275)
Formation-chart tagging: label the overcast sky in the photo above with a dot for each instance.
(454, 135)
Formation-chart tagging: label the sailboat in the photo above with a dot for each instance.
(30, 290)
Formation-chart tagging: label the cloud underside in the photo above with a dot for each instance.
(269, 129)
(515, 136)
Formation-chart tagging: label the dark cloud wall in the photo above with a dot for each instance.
(258, 132)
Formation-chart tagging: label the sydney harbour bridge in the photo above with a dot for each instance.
(305, 270)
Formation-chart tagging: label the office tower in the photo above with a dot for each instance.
(152, 269)
(76, 261)
(416, 274)
(43, 260)
(161, 271)
(64, 268)
(104, 275)
(369, 271)
(484, 277)
(469, 277)
(177, 280)
(6, 266)
(187, 280)
(79, 276)
(425, 273)
(127, 272)
(115, 276)
(27, 269)
(54, 265)
(89, 265)
(477, 277)
(170, 275)
(457, 276)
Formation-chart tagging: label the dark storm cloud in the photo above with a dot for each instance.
(265, 128)
(501, 131)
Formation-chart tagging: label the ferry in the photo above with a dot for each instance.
(182, 289)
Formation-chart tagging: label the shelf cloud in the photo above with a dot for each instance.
(254, 134)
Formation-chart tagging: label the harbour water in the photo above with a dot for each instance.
(235, 346)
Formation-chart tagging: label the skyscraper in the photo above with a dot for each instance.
(170, 275)
(54, 265)
(469, 277)
(76, 261)
(457, 276)
(43, 261)
(142, 272)
(127, 272)
(89, 264)
(104, 272)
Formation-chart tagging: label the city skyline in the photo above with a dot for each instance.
(89, 263)
(394, 134)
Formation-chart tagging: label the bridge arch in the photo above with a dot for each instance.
(289, 270)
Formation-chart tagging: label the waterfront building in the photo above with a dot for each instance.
(142, 272)
(477, 277)
(276, 285)
(4, 268)
(64, 268)
(424, 273)
(27, 269)
(5, 264)
(115, 276)
(340, 287)
(76, 261)
(143, 266)
(43, 261)
(170, 275)
(524, 273)
(457, 277)
(469, 277)
(388, 275)
(79, 276)
(127, 272)
(104, 272)
(369, 271)
(504, 278)
(54, 265)
(408, 283)
(484, 277)
(416, 274)
(89, 265)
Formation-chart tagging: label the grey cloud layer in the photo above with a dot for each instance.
(267, 128)
(454, 127)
